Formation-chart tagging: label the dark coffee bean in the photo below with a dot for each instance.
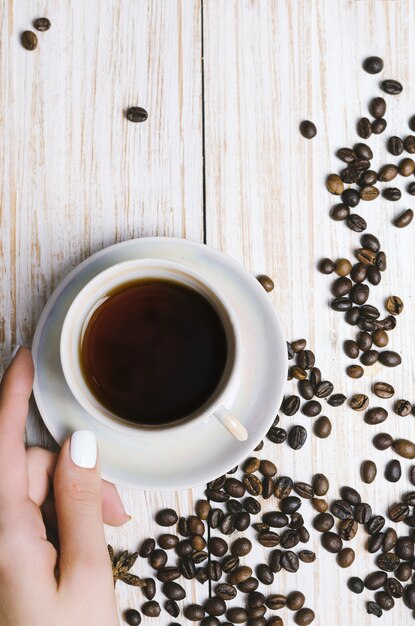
(363, 151)
(320, 484)
(290, 405)
(369, 358)
(277, 519)
(267, 468)
(364, 128)
(355, 584)
(377, 107)
(229, 563)
(296, 521)
(215, 515)
(136, 114)
(233, 506)
(289, 539)
(248, 585)
(297, 437)
(311, 408)
(375, 543)
(366, 324)
(239, 574)
(394, 588)
(350, 197)
(305, 359)
(29, 40)
(187, 567)
(174, 591)
(289, 505)
(323, 522)
(322, 427)
(351, 349)
(362, 513)
(267, 487)
(411, 189)
(348, 529)
(227, 523)
(266, 282)
(303, 617)
(202, 509)
(158, 559)
(395, 145)
(252, 506)
(387, 173)
(359, 402)
(340, 304)
(315, 376)
(394, 305)
(304, 490)
(380, 338)
(253, 484)
(215, 606)
(372, 608)
(373, 65)
(234, 488)
(356, 223)
(375, 580)
(354, 371)
(217, 483)
(409, 144)
(283, 487)
(406, 167)
(405, 448)
(166, 517)
(242, 521)
(350, 495)
(147, 548)
(404, 548)
(359, 293)
(374, 275)
(167, 574)
(402, 407)
(389, 358)
(251, 465)
(225, 591)
(269, 539)
(336, 399)
(306, 389)
(381, 264)
(376, 415)
(132, 617)
(405, 218)
(364, 341)
(358, 273)
(149, 590)
(341, 509)
(42, 24)
(195, 525)
(241, 547)
(276, 601)
(346, 154)
(289, 561)
(384, 600)
(392, 87)
(398, 512)
(206, 621)
(217, 546)
(392, 193)
(323, 389)
(303, 534)
(345, 557)
(369, 311)
(151, 608)
(383, 390)
(331, 542)
(276, 434)
(379, 125)
(201, 575)
(326, 266)
(214, 570)
(168, 542)
(368, 471)
(295, 600)
(389, 539)
(259, 446)
(388, 562)
(194, 612)
(375, 524)
(409, 596)
(342, 267)
(369, 177)
(299, 344)
(403, 572)
(382, 441)
(237, 615)
(265, 574)
(308, 129)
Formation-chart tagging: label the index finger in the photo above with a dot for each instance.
(15, 391)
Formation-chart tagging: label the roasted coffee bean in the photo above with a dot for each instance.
(336, 399)
(369, 177)
(342, 267)
(227, 523)
(402, 407)
(299, 344)
(147, 548)
(352, 173)
(297, 437)
(210, 620)
(174, 591)
(409, 596)
(362, 513)
(340, 304)
(136, 114)
(348, 529)
(359, 293)
(202, 509)
(241, 546)
(166, 517)
(373, 275)
(167, 574)
(409, 144)
(389, 539)
(405, 218)
(305, 359)
(377, 107)
(334, 184)
(355, 584)
(392, 193)
(411, 189)
(382, 441)
(296, 521)
(345, 557)
(406, 167)
(375, 580)
(311, 408)
(346, 154)
(233, 506)
(42, 24)
(356, 223)
(158, 559)
(388, 172)
(253, 484)
(217, 546)
(392, 87)
(381, 264)
(215, 606)
(350, 495)
(242, 521)
(388, 562)
(368, 471)
(194, 612)
(404, 548)
(303, 617)
(341, 509)
(383, 390)
(395, 145)
(363, 151)
(403, 572)
(234, 488)
(283, 487)
(277, 519)
(252, 506)
(359, 402)
(373, 65)
(358, 273)
(307, 556)
(366, 324)
(216, 495)
(217, 483)
(369, 358)
(320, 484)
(364, 128)
(290, 405)
(350, 197)
(214, 570)
(405, 448)
(276, 434)
(351, 349)
(315, 376)
(267, 487)
(398, 512)
(29, 40)
(364, 341)
(322, 427)
(326, 266)
(289, 539)
(308, 129)
(375, 524)
(248, 585)
(389, 358)
(195, 525)
(380, 338)
(132, 617)
(354, 371)
(375, 543)
(201, 575)
(151, 608)
(394, 588)
(304, 490)
(168, 542)
(373, 608)
(384, 600)
(298, 372)
(265, 574)
(289, 561)
(225, 591)
(266, 282)
(149, 591)
(369, 311)
(289, 505)
(187, 567)
(394, 305)
(331, 542)
(276, 601)
(239, 574)
(295, 600)
(237, 615)
(323, 522)
(306, 389)
(267, 468)
(215, 515)
(379, 125)
(376, 415)
(229, 563)
(259, 446)
(269, 539)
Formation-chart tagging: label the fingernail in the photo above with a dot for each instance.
(84, 448)
(15, 350)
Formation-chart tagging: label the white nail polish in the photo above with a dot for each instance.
(84, 448)
(15, 350)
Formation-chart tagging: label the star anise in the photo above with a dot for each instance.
(121, 565)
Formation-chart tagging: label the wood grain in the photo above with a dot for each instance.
(76, 177)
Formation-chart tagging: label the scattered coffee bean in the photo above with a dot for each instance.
(362, 513)
(312, 408)
(151, 608)
(395, 145)
(266, 282)
(335, 184)
(364, 128)
(308, 129)
(383, 390)
(404, 448)
(373, 65)
(406, 167)
(194, 612)
(290, 405)
(303, 617)
(392, 87)
(322, 427)
(339, 213)
(356, 223)
(132, 617)
(345, 557)
(402, 407)
(372, 608)
(265, 574)
(376, 415)
(394, 305)
(393, 471)
(355, 584)
(368, 471)
(379, 125)
(331, 542)
(405, 218)
(166, 517)
(398, 512)
(136, 114)
(295, 600)
(355, 371)
(29, 40)
(297, 437)
(389, 358)
(42, 24)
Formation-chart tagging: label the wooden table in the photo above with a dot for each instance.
(220, 160)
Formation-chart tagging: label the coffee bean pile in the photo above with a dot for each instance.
(351, 294)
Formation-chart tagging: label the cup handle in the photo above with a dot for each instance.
(231, 423)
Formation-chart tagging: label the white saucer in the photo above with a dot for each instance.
(207, 451)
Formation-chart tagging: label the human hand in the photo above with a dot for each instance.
(38, 585)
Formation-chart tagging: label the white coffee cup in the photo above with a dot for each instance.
(94, 294)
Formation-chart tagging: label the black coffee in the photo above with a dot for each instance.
(154, 352)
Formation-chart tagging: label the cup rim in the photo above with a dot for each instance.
(98, 410)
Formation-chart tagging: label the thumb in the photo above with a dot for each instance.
(77, 489)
